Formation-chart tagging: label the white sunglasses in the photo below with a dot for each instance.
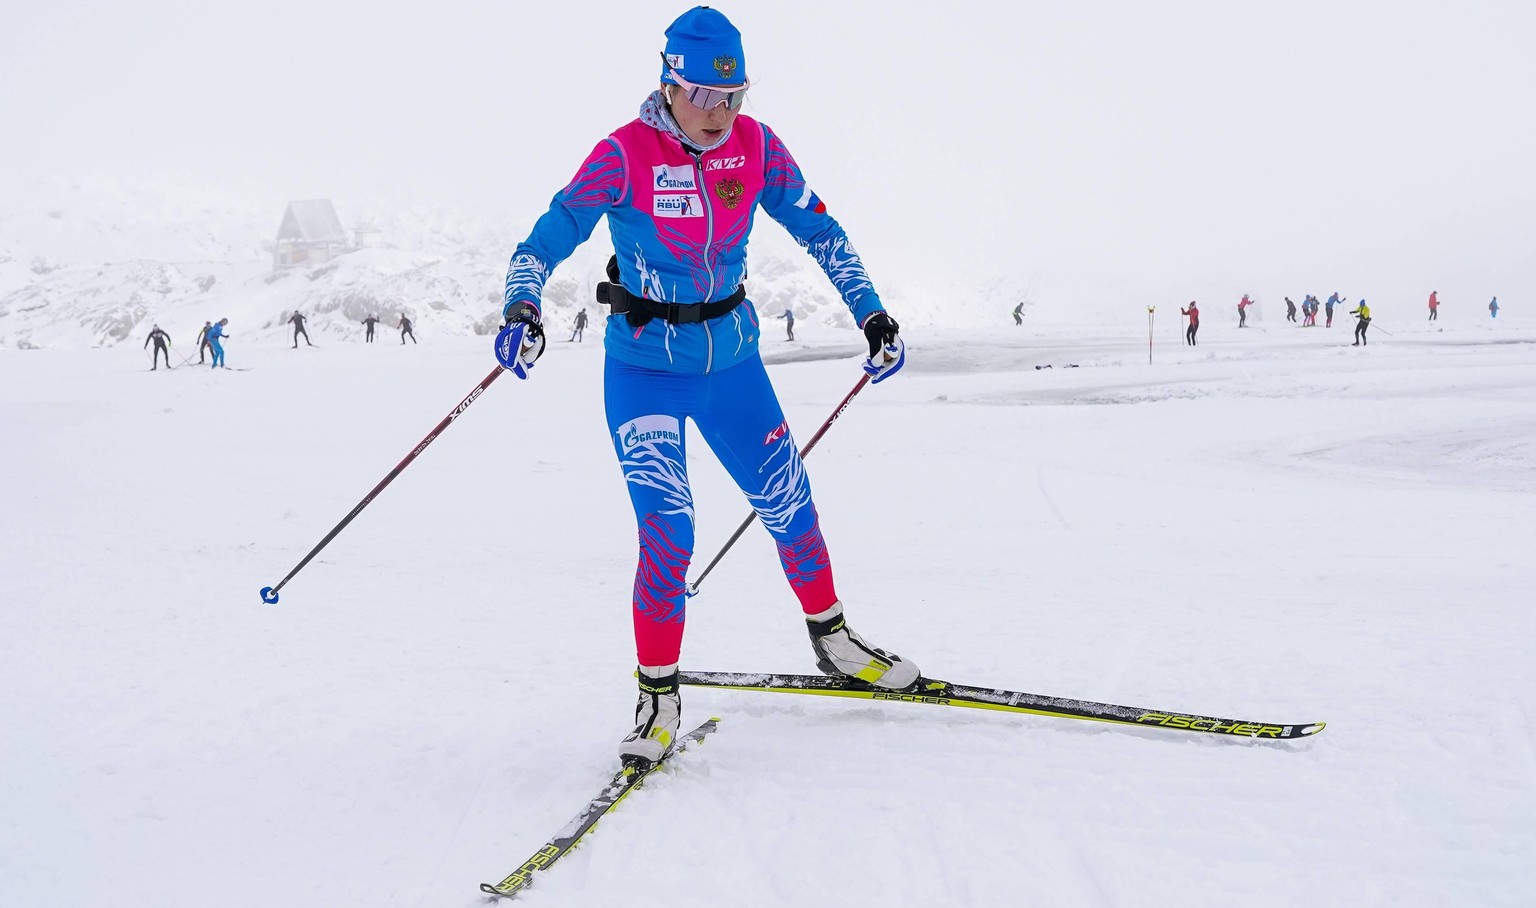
(706, 97)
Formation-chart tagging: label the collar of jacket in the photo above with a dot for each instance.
(654, 113)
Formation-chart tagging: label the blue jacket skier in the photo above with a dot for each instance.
(216, 337)
(789, 323)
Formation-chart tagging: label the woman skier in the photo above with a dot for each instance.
(680, 186)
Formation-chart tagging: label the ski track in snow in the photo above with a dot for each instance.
(1270, 526)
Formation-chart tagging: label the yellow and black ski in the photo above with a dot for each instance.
(943, 693)
(625, 781)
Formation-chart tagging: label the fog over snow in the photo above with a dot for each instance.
(1089, 158)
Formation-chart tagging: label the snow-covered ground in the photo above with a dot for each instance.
(1274, 526)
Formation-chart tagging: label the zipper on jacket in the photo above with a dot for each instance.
(709, 239)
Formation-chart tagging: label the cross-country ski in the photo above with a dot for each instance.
(942, 693)
(626, 780)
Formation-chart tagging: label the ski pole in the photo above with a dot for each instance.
(1150, 310)
(269, 593)
(693, 587)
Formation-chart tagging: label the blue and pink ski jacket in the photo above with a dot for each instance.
(680, 219)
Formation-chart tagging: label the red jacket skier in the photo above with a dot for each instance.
(1194, 322)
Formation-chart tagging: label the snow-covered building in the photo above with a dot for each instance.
(310, 233)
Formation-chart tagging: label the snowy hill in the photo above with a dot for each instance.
(94, 264)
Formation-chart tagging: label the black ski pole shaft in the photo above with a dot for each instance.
(694, 586)
(269, 593)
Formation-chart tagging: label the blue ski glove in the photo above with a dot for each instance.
(887, 354)
(521, 340)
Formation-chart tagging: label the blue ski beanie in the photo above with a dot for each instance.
(705, 48)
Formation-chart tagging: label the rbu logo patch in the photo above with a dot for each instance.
(726, 163)
(678, 206)
(650, 430)
(673, 179)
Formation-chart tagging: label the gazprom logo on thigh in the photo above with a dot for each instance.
(678, 206)
(673, 179)
(655, 429)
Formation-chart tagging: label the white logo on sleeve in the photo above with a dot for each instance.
(673, 179)
(678, 206)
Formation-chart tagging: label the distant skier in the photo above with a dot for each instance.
(1313, 304)
(1332, 301)
(1493, 308)
(1018, 313)
(1434, 305)
(789, 322)
(1242, 311)
(297, 321)
(581, 325)
(161, 340)
(405, 329)
(1364, 313)
(1194, 322)
(1290, 310)
(216, 336)
(368, 324)
(202, 340)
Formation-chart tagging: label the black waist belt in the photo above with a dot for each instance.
(638, 310)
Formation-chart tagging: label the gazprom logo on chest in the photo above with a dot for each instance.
(677, 206)
(673, 179)
(655, 429)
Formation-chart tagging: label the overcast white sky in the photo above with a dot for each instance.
(1181, 149)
